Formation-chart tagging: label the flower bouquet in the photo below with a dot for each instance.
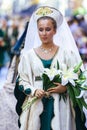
(73, 78)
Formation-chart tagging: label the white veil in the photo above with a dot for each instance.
(63, 37)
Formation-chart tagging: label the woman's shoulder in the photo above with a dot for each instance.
(27, 53)
(63, 50)
(67, 53)
(66, 50)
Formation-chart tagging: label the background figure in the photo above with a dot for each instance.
(8, 115)
(1, 51)
(4, 56)
(78, 29)
(16, 48)
(47, 41)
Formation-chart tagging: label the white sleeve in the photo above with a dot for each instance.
(25, 74)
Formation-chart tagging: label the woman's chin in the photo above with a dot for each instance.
(45, 42)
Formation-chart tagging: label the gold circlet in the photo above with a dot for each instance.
(44, 11)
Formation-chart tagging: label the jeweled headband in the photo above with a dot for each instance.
(49, 11)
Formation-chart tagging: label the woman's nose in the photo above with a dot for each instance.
(44, 32)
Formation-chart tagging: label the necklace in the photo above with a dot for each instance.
(46, 51)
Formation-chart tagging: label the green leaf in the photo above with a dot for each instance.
(28, 104)
(49, 84)
(80, 85)
(77, 67)
(83, 87)
(79, 82)
(71, 94)
(57, 65)
(80, 101)
(63, 96)
(46, 82)
(46, 79)
(82, 76)
(57, 78)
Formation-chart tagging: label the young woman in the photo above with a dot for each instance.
(47, 41)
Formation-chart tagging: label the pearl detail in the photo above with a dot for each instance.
(46, 51)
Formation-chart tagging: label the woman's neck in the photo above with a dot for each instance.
(47, 45)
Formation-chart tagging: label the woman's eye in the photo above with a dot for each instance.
(41, 29)
(48, 29)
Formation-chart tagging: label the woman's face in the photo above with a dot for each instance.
(46, 30)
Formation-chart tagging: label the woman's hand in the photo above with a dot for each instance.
(58, 89)
(39, 93)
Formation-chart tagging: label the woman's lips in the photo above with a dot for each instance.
(44, 38)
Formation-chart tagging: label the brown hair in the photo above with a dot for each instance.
(53, 21)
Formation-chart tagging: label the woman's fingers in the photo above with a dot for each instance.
(39, 93)
(50, 89)
(56, 83)
(58, 89)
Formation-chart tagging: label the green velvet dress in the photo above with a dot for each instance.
(48, 112)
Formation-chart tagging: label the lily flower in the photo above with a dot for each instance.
(51, 73)
(69, 76)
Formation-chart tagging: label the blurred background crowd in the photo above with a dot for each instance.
(14, 15)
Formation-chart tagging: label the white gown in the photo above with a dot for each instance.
(31, 66)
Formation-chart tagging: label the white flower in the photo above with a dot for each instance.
(51, 72)
(69, 76)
